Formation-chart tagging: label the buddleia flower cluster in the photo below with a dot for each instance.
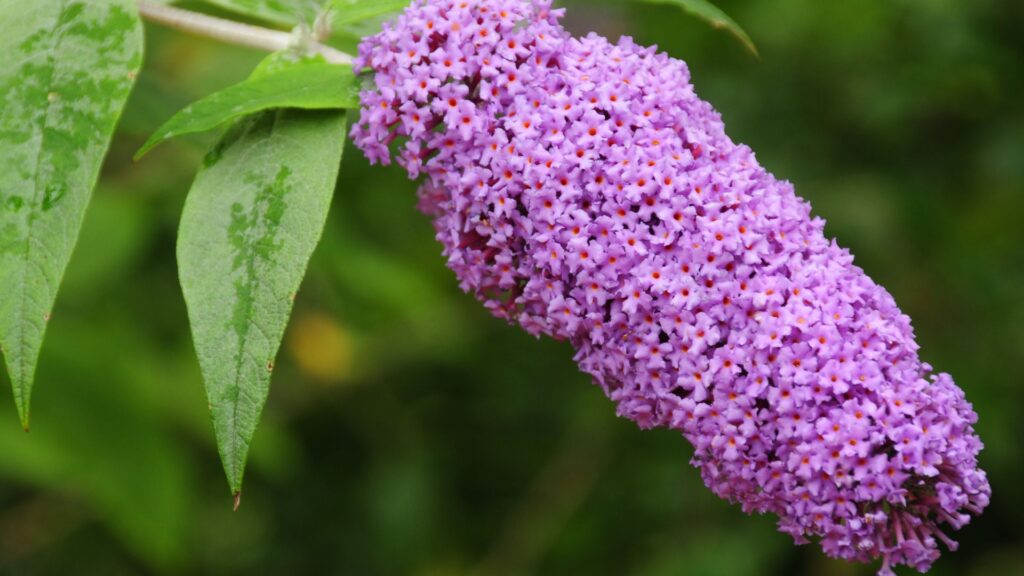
(582, 190)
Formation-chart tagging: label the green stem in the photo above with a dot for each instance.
(232, 32)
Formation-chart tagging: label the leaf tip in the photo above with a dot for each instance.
(144, 150)
(237, 501)
(716, 18)
(21, 402)
(749, 44)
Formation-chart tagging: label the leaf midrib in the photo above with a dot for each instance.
(254, 284)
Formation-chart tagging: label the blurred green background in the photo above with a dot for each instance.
(408, 432)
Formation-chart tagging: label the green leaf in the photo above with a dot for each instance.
(282, 12)
(713, 15)
(68, 68)
(350, 11)
(308, 85)
(250, 224)
(282, 60)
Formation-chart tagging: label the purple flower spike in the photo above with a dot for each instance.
(581, 189)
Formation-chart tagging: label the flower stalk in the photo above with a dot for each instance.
(236, 33)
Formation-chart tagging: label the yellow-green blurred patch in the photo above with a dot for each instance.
(321, 348)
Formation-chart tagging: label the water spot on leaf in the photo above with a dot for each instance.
(55, 192)
(254, 238)
(14, 203)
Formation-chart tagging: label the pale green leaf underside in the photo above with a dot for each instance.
(67, 70)
(714, 15)
(350, 11)
(307, 85)
(282, 12)
(250, 224)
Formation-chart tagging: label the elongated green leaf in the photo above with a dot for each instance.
(714, 15)
(249, 227)
(307, 85)
(67, 70)
(349, 11)
(282, 12)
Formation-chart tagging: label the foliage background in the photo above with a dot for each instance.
(409, 433)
